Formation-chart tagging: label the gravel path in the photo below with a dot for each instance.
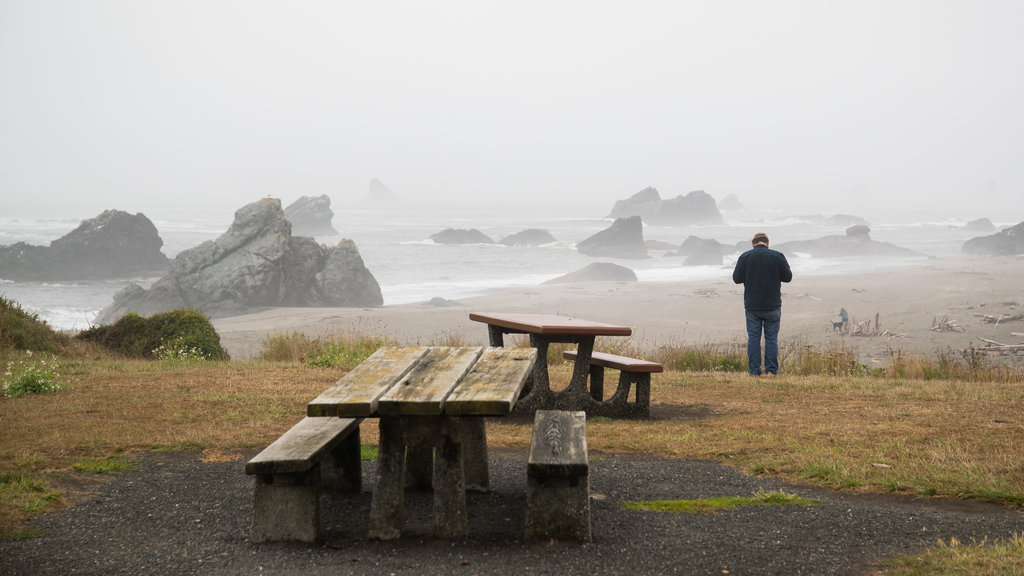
(175, 514)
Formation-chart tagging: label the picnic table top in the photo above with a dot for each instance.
(430, 381)
(549, 324)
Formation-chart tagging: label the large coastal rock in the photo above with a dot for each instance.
(528, 237)
(114, 244)
(980, 225)
(701, 252)
(599, 272)
(1005, 242)
(311, 216)
(256, 263)
(856, 242)
(461, 236)
(697, 207)
(623, 239)
(380, 194)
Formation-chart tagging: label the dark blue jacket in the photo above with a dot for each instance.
(762, 271)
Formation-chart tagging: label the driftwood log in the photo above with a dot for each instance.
(989, 319)
(946, 325)
(993, 346)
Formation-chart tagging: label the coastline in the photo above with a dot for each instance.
(908, 301)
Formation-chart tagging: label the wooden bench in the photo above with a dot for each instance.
(315, 455)
(632, 371)
(558, 477)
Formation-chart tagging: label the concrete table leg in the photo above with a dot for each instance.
(387, 506)
(474, 448)
(419, 465)
(450, 519)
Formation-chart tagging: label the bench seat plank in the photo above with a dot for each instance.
(559, 444)
(482, 392)
(298, 449)
(617, 362)
(356, 394)
(424, 389)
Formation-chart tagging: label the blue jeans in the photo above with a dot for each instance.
(768, 320)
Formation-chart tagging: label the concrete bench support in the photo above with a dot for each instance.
(558, 478)
(633, 373)
(315, 455)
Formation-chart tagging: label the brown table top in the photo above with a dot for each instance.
(429, 381)
(550, 324)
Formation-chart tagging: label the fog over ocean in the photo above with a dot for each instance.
(395, 246)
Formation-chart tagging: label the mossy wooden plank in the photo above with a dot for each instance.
(356, 394)
(298, 448)
(423, 390)
(492, 386)
(559, 443)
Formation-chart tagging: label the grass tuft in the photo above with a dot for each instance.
(104, 464)
(1004, 556)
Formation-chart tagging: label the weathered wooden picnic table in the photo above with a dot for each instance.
(544, 329)
(431, 400)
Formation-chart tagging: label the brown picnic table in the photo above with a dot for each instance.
(545, 329)
(431, 403)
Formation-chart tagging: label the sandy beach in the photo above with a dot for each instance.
(908, 301)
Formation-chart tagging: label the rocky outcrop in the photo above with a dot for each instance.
(461, 236)
(701, 252)
(1005, 242)
(256, 263)
(856, 242)
(529, 237)
(845, 220)
(731, 204)
(980, 225)
(311, 216)
(623, 239)
(114, 244)
(696, 207)
(598, 271)
(381, 194)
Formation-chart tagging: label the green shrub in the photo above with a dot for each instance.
(21, 330)
(346, 353)
(31, 376)
(173, 335)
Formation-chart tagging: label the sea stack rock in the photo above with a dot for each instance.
(114, 244)
(311, 216)
(599, 272)
(980, 225)
(701, 252)
(856, 242)
(623, 239)
(697, 207)
(1003, 243)
(529, 237)
(256, 263)
(381, 194)
(461, 236)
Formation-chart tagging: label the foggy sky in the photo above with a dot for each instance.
(797, 105)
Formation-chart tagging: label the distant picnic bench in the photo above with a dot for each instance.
(545, 329)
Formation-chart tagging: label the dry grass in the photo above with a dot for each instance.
(1000, 558)
(940, 438)
(935, 437)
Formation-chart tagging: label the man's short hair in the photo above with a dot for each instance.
(760, 237)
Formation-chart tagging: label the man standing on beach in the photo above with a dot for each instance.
(762, 272)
